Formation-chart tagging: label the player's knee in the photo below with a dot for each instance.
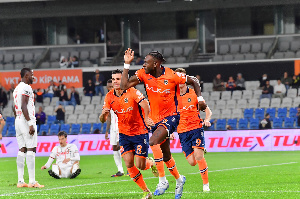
(166, 158)
(153, 142)
(141, 166)
(129, 164)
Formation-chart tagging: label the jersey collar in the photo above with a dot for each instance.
(121, 93)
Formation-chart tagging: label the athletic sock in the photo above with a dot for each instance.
(203, 170)
(30, 161)
(158, 158)
(149, 164)
(20, 165)
(118, 160)
(137, 177)
(172, 168)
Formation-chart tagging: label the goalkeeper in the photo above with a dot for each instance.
(67, 159)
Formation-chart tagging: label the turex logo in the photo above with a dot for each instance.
(157, 90)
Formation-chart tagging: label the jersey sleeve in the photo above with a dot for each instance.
(140, 74)
(137, 95)
(179, 78)
(53, 152)
(27, 90)
(107, 101)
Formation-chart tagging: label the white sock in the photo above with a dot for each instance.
(179, 180)
(30, 161)
(162, 179)
(118, 160)
(20, 165)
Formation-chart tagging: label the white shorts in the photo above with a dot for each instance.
(114, 137)
(24, 139)
(65, 169)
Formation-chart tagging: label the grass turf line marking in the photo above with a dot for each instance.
(97, 183)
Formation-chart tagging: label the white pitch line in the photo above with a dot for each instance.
(81, 185)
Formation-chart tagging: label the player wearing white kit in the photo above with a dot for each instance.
(67, 159)
(112, 127)
(26, 130)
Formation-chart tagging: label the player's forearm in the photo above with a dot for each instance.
(76, 157)
(124, 80)
(108, 122)
(208, 113)
(2, 126)
(49, 162)
(195, 83)
(25, 112)
(145, 105)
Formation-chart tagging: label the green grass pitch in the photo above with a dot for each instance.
(231, 175)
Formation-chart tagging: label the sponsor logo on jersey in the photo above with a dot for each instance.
(126, 100)
(166, 82)
(189, 100)
(157, 90)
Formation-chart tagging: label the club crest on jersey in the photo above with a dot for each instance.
(173, 119)
(126, 100)
(189, 99)
(166, 82)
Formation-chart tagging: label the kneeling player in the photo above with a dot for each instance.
(129, 106)
(191, 132)
(67, 159)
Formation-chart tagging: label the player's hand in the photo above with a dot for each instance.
(149, 122)
(66, 160)
(201, 106)
(106, 136)
(43, 167)
(105, 111)
(31, 130)
(172, 136)
(207, 123)
(0, 136)
(128, 56)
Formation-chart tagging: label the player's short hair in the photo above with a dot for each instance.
(62, 133)
(157, 55)
(118, 71)
(180, 70)
(23, 71)
(109, 81)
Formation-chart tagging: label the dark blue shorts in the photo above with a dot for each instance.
(192, 139)
(170, 123)
(137, 144)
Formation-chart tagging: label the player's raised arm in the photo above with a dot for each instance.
(25, 100)
(133, 80)
(190, 80)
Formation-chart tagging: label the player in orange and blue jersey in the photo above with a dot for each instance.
(132, 109)
(190, 130)
(161, 84)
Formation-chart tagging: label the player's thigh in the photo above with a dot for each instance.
(128, 159)
(21, 127)
(158, 136)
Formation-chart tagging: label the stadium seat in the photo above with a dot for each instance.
(293, 112)
(282, 112)
(254, 123)
(11, 131)
(69, 110)
(289, 122)
(79, 109)
(296, 102)
(221, 124)
(104, 128)
(215, 95)
(85, 100)
(265, 103)
(48, 109)
(275, 102)
(232, 123)
(207, 87)
(211, 104)
(253, 103)
(51, 119)
(260, 113)
(231, 104)
(10, 121)
(97, 126)
(96, 99)
(89, 109)
(248, 113)
(226, 95)
(82, 118)
(216, 114)
(75, 130)
(93, 118)
(54, 129)
(65, 127)
(277, 123)
(237, 113)
(205, 95)
(292, 93)
(221, 104)
(266, 47)
(86, 128)
(44, 128)
(243, 124)
(242, 103)
(237, 95)
(257, 94)
(226, 114)
(54, 101)
(4, 130)
(286, 102)
(212, 127)
(272, 112)
(72, 119)
(247, 94)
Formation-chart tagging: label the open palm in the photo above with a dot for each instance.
(128, 56)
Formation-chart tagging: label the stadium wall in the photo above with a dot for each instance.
(216, 141)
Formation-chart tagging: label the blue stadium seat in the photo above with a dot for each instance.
(11, 131)
(277, 123)
(97, 126)
(272, 112)
(51, 119)
(86, 128)
(10, 121)
(4, 130)
(282, 112)
(248, 113)
(254, 123)
(293, 112)
(221, 124)
(289, 122)
(44, 128)
(260, 113)
(104, 128)
(243, 124)
(232, 123)
(65, 127)
(212, 127)
(75, 130)
(54, 129)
